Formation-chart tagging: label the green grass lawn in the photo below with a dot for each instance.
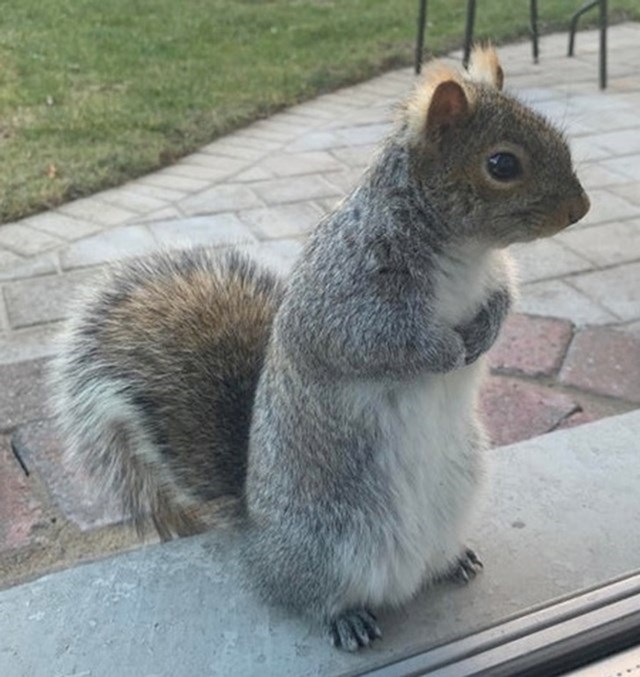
(93, 92)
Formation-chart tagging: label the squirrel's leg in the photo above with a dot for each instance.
(354, 628)
(480, 334)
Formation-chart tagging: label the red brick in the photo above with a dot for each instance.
(22, 395)
(592, 411)
(73, 492)
(21, 513)
(515, 410)
(604, 361)
(531, 345)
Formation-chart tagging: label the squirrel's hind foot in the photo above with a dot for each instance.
(354, 629)
(464, 569)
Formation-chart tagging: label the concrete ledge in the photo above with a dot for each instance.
(560, 516)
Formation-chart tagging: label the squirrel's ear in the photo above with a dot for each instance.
(449, 106)
(484, 66)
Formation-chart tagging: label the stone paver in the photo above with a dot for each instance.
(114, 244)
(280, 255)
(22, 396)
(556, 298)
(593, 175)
(26, 241)
(604, 362)
(607, 207)
(253, 174)
(621, 142)
(198, 172)
(623, 119)
(291, 220)
(363, 134)
(260, 133)
(8, 259)
(606, 245)
(216, 230)
(301, 163)
(317, 140)
(239, 146)
(163, 193)
(21, 513)
(34, 266)
(592, 410)
(546, 259)
(294, 189)
(356, 156)
(76, 495)
(633, 328)
(63, 226)
(135, 201)
(346, 180)
(615, 289)
(98, 211)
(628, 191)
(239, 150)
(164, 214)
(516, 410)
(43, 299)
(585, 149)
(29, 344)
(181, 183)
(264, 187)
(221, 199)
(629, 165)
(534, 346)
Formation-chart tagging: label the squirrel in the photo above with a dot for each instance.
(337, 408)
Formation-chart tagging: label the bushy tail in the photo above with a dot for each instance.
(155, 379)
(106, 440)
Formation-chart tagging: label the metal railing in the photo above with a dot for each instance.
(533, 18)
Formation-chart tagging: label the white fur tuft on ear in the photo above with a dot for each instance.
(484, 66)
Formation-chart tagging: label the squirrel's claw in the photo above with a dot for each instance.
(465, 568)
(354, 629)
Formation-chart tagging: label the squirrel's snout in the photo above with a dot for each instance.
(577, 207)
(566, 213)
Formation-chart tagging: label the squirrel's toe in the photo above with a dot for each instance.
(354, 629)
(465, 568)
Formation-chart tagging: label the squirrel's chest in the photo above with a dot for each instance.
(463, 281)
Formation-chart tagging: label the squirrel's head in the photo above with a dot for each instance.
(492, 167)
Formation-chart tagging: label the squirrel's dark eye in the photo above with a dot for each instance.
(504, 166)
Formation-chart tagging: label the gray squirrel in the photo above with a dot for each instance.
(337, 408)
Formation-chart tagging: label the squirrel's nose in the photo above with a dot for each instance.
(577, 207)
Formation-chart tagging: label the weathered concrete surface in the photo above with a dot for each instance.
(557, 519)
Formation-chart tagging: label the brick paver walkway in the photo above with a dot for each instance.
(570, 355)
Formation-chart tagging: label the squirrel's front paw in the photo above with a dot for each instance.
(354, 629)
(451, 353)
(465, 568)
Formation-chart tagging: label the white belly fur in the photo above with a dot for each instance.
(430, 456)
(431, 449)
